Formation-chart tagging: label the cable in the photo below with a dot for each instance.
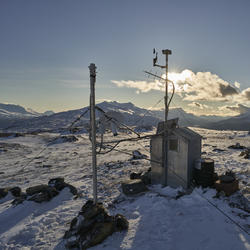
(57, 137)
(172, 93)
(122, 140)
(116, 121)
(78, 119)
(143, 116)
(187, 120)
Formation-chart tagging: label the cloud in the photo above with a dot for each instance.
(246, 94)
(237, 85)
(239, 108)
(207, 86)
(198, 105)
(200, 86)
(141, 86)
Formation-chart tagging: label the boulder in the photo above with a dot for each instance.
(92, 226)
(19, 200)
(41, 193)
(121, 222)
(135, 175)
(90, 210)
(69, 138)
(36, 189)
(40, 197)
(146, 178)
(138, 155)
(15, 191)
(237, 146)
(130, 187)
(59, 184)
(99, 233)
(245, 154)
(3, 192)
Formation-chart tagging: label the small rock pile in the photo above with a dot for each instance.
(144, 176)
(137, 183)
(15, 191)
(237, 146)
(245, 154)
(138, 155)
(38, 193)
(92, 226)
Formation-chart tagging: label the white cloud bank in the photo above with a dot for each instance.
(200, 86)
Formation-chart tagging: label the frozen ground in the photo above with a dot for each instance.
(156, 219)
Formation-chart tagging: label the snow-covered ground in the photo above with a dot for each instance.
(156, 219)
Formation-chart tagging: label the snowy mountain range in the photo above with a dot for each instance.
(12, 113)
(16, 118)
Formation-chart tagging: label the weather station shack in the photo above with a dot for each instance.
(174, 150)
(184, 149)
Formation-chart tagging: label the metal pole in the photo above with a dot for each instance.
(165, 141)
(92, 69)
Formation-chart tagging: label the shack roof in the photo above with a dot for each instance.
(173, 128)
(186, 133)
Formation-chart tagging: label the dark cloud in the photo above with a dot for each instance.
(198, 105)
(227, 90)
(238, 108)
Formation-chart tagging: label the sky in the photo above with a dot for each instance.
(46, 47)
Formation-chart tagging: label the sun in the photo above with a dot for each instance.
(179, 79)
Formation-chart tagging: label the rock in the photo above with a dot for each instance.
(90, 210)
(146, 178)
(41, 193)
(47, 166)
(138, 155)
(92, 226)
(59, 184)
(36, 189)
(3, 192)
(135, 175)
(99, 233)
(121, 223)
(245, 154)
(19, 200)
(40, 197)
(72, 189)
(69, 138)
(130, 187)
(15, 191)
(237, 146)
(218, 150)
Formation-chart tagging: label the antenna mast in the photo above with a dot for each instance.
(165, 52)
